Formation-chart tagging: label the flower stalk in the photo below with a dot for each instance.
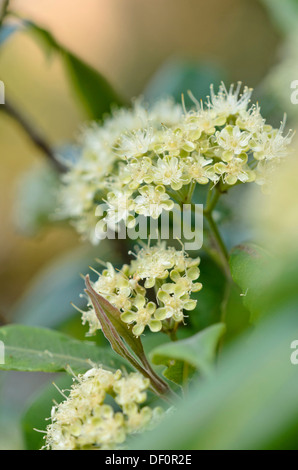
(212, 199)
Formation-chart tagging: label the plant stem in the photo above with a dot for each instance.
(173, 332)
(34, 135)
(191, 189)
(220, 244)
(223, 309)
(217, 235)
(212, 199)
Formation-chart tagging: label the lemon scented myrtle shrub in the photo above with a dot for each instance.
(158, 312)
(142, 160)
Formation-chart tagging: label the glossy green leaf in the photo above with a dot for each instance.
(209, 299)
(120, 335)
(233, 312)
(179, 372)
(248, 264)
(34, 349)
(47, 39)
(94, 91)
(113, 316)
(197, 351)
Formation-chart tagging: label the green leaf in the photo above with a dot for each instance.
(179, 372)
(233, 312)
(116, 331)
(43, 35)
(248, 264)
(109, 318)
(38, 412)
(39, 349)
(113, 316)
(250, 403)
(209, 299)
(95, 92)
(178, 76)
(197, 352)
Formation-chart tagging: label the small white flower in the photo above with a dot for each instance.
(76, 195)
(152, 201)
(233, 141)
(125, 120)
(271, 145)
(169, 172)
(198, 169)
(137, 171)
(236, 169)
(173, 141)
(185, 282)
(153, 263)
(229, 102)
(203, 120)
(85, 225)
(120, 205)
(251, 120)
(89, 316)
(142, 315)
(131, 389)
(135, 143)
(175, 301)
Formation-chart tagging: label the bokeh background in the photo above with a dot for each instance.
(127, 40)
(133, 43)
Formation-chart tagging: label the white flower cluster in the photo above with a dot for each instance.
(140, 159)
(171, 274)
(85, 422)
(87, 180)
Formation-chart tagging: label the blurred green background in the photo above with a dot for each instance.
(137, 45)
